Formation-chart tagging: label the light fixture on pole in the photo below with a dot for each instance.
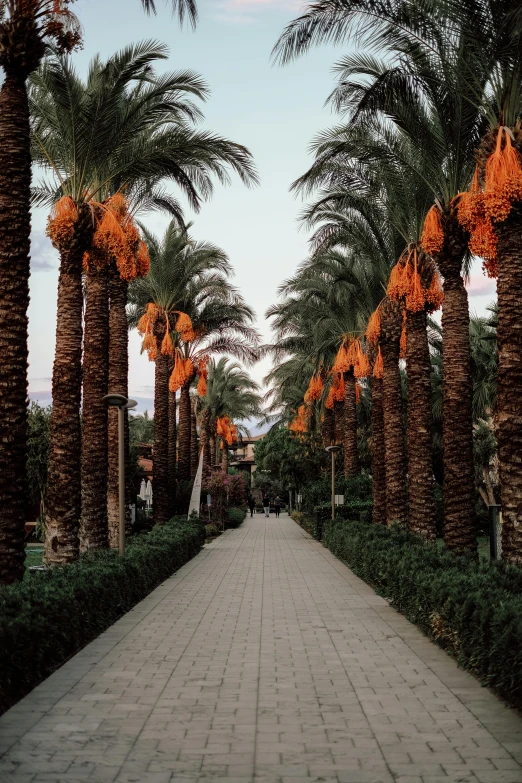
(122, 403)
(333, 451)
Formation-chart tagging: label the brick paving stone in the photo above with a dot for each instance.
(263, 660)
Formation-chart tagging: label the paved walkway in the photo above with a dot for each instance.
(263, 660)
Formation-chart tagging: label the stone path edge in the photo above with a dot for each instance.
(493, 712)
(22, 716)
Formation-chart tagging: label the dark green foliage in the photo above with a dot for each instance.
(52, 614)
(472, 609)
(354, 488)
(141, 428)
(212, 530)
(235, 517)
(288, 461)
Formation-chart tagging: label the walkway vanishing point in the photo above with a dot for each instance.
(264, 659)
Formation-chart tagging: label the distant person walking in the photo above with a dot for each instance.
(278, 503)
(266, 506)
(251, 505)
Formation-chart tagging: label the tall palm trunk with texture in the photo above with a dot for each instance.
(338, 421)
(460, 529)
(184, 433)
(351, 456)
(328, 427)
(212, 450)
(118, 384)
(194, 455)
(205, 437)
(64, 489)
(395, 463)
(378, 454)
(224, 456)
(94, 528)
(173, 435)
(160, 463)
(419, 428)
(15, 229)
(508, 417)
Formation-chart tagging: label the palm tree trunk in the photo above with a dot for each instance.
(351, 457)
(118, 384)
(338, 421)
(328, 427)
(64, 489)
(378, 454)
(94, 527)
(508, 418)
(212, 450)
(194, 455)
(396, 497)
(460, 525)
(15, 229)
(224, 456)
(160, 469)
(184, 433)
(172, 451)
(205, 437)
(419, 427)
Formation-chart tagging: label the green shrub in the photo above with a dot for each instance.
(235, 517)
(51, 614)
(212, 530)
(354, 488)
(472, 609)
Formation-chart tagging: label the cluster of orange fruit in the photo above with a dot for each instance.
(226, 430)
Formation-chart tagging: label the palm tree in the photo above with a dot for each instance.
(222, 325)
(178, 265)
(142, 136)
(491, 211)
(363, 164)
(194, 449)
(190, 278)
(26, 29)
(330, 299)
(172, 449)
(230, 393)
(445, 126)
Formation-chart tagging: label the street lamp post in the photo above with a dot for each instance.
(333, 451)
(122, 403)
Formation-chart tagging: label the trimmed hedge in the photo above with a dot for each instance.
(355, 510)
(235, 517)
(52, 614)
(472, 609)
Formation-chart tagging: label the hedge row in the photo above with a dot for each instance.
(50, 615)
(354, 510)
(471, 609)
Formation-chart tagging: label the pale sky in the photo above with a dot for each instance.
(273, 111)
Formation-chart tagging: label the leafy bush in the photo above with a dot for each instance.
(472, 609)
(212, 530)
(52, 614)
(235, 517)
(356, 510)
(354, 488)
